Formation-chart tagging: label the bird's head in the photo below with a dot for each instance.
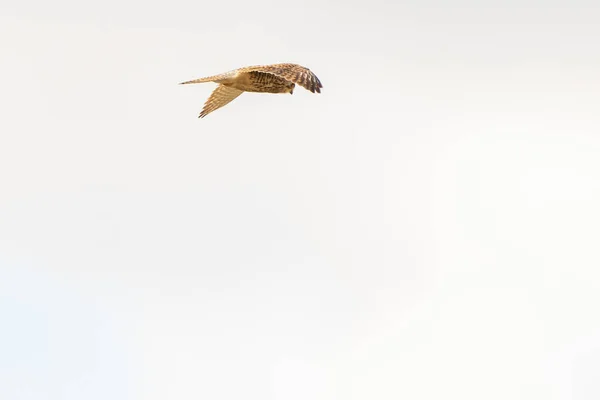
(290, 87)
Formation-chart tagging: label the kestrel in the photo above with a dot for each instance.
(274, 78)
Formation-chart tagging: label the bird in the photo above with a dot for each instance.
(272, 78)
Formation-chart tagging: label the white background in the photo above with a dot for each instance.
(426, 228)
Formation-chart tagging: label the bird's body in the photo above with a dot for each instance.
(255, 81)
(274, 78)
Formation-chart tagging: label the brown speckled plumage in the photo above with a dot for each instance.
(274, 78)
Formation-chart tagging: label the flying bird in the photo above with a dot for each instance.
(273, 78)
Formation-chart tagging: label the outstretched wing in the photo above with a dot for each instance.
(292, 72)
(221, 96)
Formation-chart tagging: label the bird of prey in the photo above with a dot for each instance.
(273, 78)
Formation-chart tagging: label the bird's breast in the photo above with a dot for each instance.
(259, 82)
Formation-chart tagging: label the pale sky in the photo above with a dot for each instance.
(426, 228)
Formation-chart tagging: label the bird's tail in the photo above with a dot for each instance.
(200, 80)
(215, 78)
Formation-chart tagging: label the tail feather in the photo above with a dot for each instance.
(200, 80)
(215, 78)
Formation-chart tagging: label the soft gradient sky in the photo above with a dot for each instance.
(426, 228)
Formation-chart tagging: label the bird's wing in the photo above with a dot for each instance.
(291, 72)
(221, 96)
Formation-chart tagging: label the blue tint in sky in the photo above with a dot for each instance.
(55, 342)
